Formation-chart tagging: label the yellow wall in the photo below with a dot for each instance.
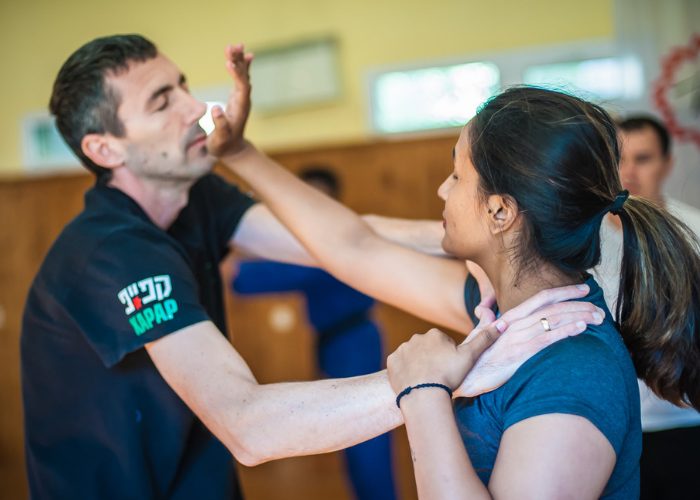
(37, 35)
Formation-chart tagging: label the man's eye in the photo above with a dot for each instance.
(454, 177)
(163, 106)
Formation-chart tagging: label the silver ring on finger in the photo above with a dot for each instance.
(545, 325)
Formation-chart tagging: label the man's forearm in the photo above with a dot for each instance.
(421, 235)
(304, 418)
(261, 422)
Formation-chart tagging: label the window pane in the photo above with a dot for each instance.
(607, 78)
(431, 98)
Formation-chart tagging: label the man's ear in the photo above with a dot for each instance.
(104, 150)
(502, 212)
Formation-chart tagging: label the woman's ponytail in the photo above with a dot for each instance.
(658, 305)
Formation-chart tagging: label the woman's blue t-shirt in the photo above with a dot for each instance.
(590, 375)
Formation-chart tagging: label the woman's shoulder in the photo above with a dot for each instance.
(598, 353)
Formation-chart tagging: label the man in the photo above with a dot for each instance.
(671, 435)
(130, 389)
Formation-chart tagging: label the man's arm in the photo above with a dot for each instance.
(258, 422)
(424, 236)
(265, 422)
(260, 234)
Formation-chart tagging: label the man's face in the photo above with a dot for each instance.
(163, 139)
(643, 166)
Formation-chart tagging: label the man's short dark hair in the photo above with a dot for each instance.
(81, 100)
(639, 122)
(321, 174)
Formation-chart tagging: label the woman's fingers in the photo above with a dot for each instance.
(476, 344)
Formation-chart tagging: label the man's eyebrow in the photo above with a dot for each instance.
(166, 88)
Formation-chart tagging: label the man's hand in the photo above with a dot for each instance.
(227, 137)
(525, 334)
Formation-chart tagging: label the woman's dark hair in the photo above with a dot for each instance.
(557, 157)
(81, 100)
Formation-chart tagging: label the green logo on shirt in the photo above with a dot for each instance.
(137, 297)
(159, 313)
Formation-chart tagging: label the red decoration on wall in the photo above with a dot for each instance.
(669, 70)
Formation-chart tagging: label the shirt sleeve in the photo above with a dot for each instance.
(577, 376)
(135, 289)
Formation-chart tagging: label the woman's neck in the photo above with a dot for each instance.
(513, 287)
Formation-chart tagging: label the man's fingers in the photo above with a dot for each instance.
(546, 297)
(588, 317)
(574, 310)
(572, 306)
(556, 334)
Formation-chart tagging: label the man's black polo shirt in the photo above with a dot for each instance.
(100, 421)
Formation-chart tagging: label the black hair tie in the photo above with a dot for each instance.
(620, 199)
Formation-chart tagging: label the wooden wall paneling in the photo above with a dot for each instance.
(389, 178)
(33, 211)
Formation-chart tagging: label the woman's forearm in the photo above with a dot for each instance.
(440, 462)
(299, 207)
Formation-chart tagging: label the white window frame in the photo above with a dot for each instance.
(512, 65)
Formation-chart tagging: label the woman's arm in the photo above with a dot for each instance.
(342, 243)
(441, 465)
(546, 456)
(552, 456)
(549, 456)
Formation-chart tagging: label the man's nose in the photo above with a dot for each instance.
(196, 109)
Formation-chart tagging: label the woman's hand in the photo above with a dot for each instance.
(434, 357)
(227, 137)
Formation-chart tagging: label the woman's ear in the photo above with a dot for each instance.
(502, 213)
(104, 150)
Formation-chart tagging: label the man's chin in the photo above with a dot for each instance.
(203, 164)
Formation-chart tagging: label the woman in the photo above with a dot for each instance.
(535, 171)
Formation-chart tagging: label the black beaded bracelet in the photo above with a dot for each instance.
(420, 386)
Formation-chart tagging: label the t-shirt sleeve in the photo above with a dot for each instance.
(135, 289)
(577, 376)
